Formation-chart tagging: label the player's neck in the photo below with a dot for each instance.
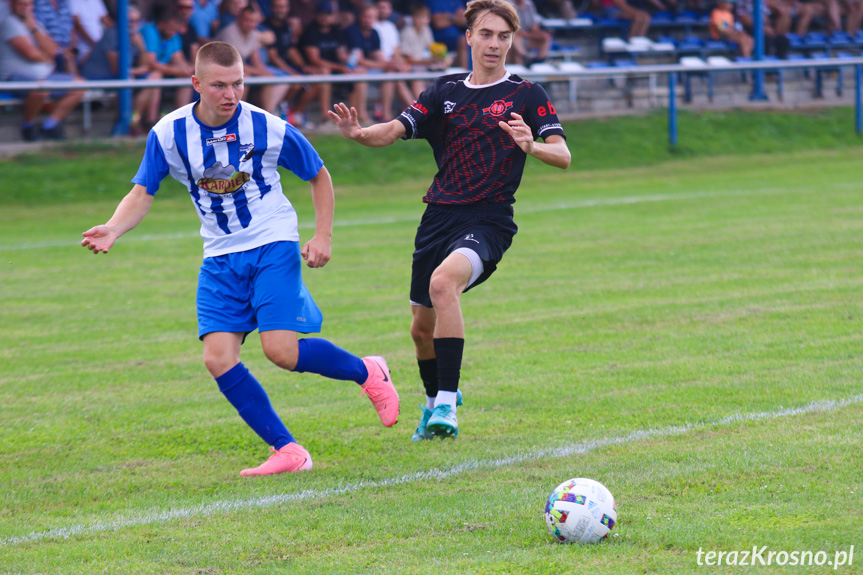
(480, 77)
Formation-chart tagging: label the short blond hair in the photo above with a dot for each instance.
(218, 53)
(500, 8)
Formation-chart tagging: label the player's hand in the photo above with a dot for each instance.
(347, 120)
(520, 132)
(99, 239)
(317, 252)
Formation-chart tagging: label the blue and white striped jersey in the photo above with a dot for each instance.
(231, 174)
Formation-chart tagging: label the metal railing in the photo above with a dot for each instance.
(672, 71)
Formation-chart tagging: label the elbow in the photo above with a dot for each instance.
(565, 161)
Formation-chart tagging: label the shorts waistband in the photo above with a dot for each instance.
(504, 209)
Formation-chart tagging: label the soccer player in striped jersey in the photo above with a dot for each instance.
(226, 152)
(481, 126)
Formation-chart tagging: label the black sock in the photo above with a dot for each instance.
(428, 373)
(448, 351)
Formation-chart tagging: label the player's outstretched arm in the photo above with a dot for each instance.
(553, 151)
(317, 251)
(376, 136)
(128, 214)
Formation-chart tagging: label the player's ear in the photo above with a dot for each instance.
(196, 83)
(467, 37)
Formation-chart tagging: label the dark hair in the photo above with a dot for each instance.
(500, 8)
(218, 53)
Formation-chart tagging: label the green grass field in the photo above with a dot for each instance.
(683, 326)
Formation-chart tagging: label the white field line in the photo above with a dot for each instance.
(414, 217)
(228, 506)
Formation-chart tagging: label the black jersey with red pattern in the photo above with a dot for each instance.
(478, 162)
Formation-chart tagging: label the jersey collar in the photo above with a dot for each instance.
(468, 84)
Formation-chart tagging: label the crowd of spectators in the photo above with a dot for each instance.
(75, 40)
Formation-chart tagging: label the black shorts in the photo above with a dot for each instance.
(487, 229)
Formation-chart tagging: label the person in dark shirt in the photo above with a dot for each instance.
(481, 126)
(324, 47)
(284, 58)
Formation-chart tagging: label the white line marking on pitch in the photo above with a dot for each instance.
(580, 204)
(219, 507)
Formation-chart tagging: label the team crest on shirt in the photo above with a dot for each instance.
(497, 109)
(219, 179)
(448, 107)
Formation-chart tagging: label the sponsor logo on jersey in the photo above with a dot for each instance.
(419, 107)
(221, 139)
(544, 111)
(497, 109)
(219, 179)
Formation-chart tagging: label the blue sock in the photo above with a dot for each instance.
(249, 398)
(319, 356)
(49, 123)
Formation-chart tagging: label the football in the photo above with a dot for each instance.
(580, 510)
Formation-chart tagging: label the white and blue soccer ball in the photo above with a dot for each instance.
(580, 510)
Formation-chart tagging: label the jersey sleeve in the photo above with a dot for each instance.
(298, 155)
(541, 115)
(154, 167)
(417, 118)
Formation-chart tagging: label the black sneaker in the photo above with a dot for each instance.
(55, 133)
(30, 133)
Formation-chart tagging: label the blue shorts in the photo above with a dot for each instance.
(482, 228)
(261, 288)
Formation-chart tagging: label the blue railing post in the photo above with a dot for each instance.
(672, 110)
(858, 112)
(758, 53)
(124, 97)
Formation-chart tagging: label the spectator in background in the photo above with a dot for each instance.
(420, 50)
(28, 54)
(244, 36)
(448, 26)
(557, 9)
(162, 39)
(284, 55)
(365, 41)
(639, 19)
(205, 20)
(806, 10)
(854, 19)
(776, 17)
(302, 15)
(56, 18)
(102, 63)
(531, 42)
(188, 35)
(388, 30)
(90, 18)
(229, 10)
(387, 15)
(324, 48)
(723, 26)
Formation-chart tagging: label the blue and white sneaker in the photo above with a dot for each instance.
(422, 433)
(443, 422)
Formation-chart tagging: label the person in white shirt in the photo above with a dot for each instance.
(90, 18)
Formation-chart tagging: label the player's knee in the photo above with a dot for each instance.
(218, 364)
(422, 334)
(285, 356)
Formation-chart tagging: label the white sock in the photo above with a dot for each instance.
(446, 398)
(429, 402)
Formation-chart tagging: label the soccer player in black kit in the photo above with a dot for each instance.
(481, 126)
